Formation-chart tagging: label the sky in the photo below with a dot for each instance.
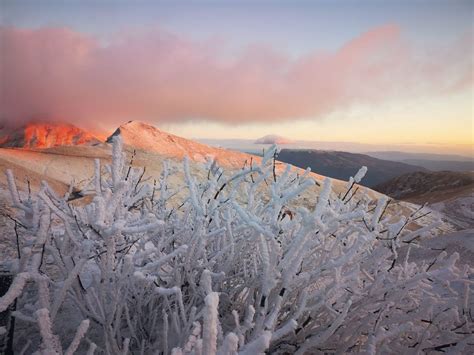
(380, 72)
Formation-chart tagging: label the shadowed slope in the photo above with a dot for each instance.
(343, 165)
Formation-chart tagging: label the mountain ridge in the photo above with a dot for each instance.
(148, 138)
(342, 165)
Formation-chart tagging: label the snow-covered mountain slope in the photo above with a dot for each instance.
(45, 135)
(460, 242)
(149, 139)
(459, 210)
(75, 163)
(151, 145)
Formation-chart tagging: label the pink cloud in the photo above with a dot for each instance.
(59, 74)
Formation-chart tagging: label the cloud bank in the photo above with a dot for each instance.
(273, 139)
(62, 75)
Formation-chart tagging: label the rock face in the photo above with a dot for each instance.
(45, 135)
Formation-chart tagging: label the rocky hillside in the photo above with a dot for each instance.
(427, 186)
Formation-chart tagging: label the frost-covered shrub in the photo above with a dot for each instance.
(233, 267)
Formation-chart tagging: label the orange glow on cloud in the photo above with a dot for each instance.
(44, 135)
(59, 74)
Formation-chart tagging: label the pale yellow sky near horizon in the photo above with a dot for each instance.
(436, 125)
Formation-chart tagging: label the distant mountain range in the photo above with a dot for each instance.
(434, 162)
(449, 192)
(343, 165)
(442, 165)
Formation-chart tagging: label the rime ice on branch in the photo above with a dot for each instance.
(235, 266)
